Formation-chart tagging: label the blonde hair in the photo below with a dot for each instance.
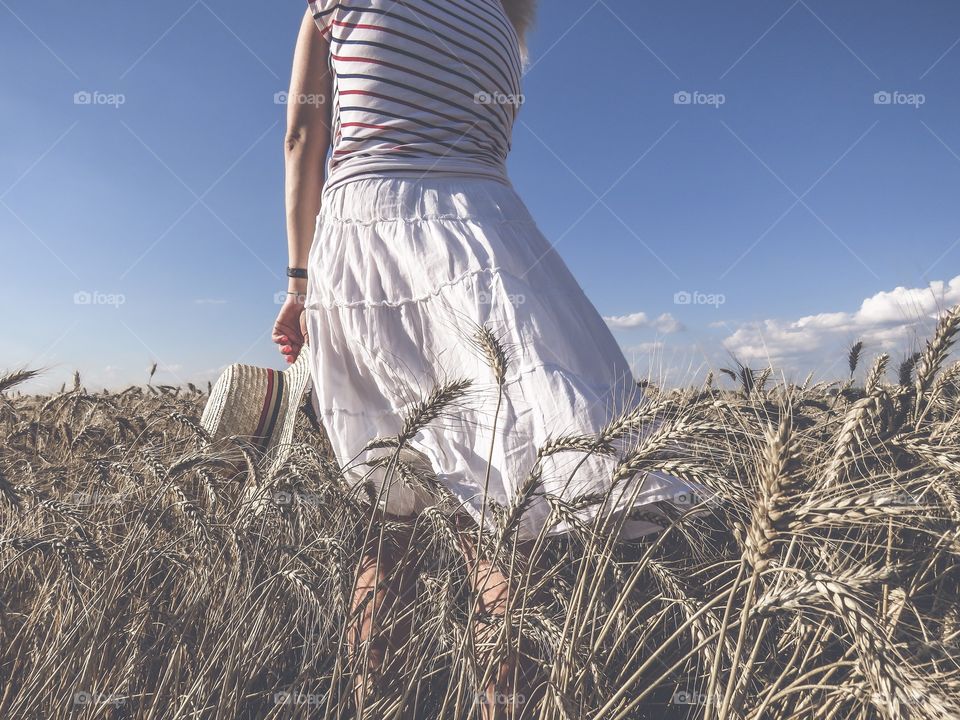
(521, 14)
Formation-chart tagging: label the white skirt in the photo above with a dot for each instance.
(403, 271)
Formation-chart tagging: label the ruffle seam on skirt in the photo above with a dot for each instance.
(361, 304)
(486, 219)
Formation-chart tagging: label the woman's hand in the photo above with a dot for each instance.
(290, 329)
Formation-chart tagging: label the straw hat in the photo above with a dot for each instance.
(259, 405)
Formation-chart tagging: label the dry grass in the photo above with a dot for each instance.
(821, 580)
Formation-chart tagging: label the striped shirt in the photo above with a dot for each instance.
(420, 86)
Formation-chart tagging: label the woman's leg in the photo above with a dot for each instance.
(383, 603)
(513, 681)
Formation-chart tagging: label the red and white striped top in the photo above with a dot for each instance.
(420, 86)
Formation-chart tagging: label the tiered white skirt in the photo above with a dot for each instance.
(403, 271)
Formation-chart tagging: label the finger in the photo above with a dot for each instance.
(279, 333)
(303, 328)
(283, 330)
(291, 339)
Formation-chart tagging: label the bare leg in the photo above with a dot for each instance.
(383, 600)
(513, 682)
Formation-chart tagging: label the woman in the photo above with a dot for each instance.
(420, 264)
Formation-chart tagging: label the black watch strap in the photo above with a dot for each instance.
(299, 273)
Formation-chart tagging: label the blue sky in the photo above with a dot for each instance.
(783, 212)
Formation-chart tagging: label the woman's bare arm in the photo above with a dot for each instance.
(305, 148)
(307, 138)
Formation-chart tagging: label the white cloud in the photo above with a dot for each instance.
(665, 323)
(886, 321)
(633, 320)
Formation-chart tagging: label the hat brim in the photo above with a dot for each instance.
(297, 379)
(259, 406)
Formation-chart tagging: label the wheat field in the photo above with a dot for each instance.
(147, 573)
